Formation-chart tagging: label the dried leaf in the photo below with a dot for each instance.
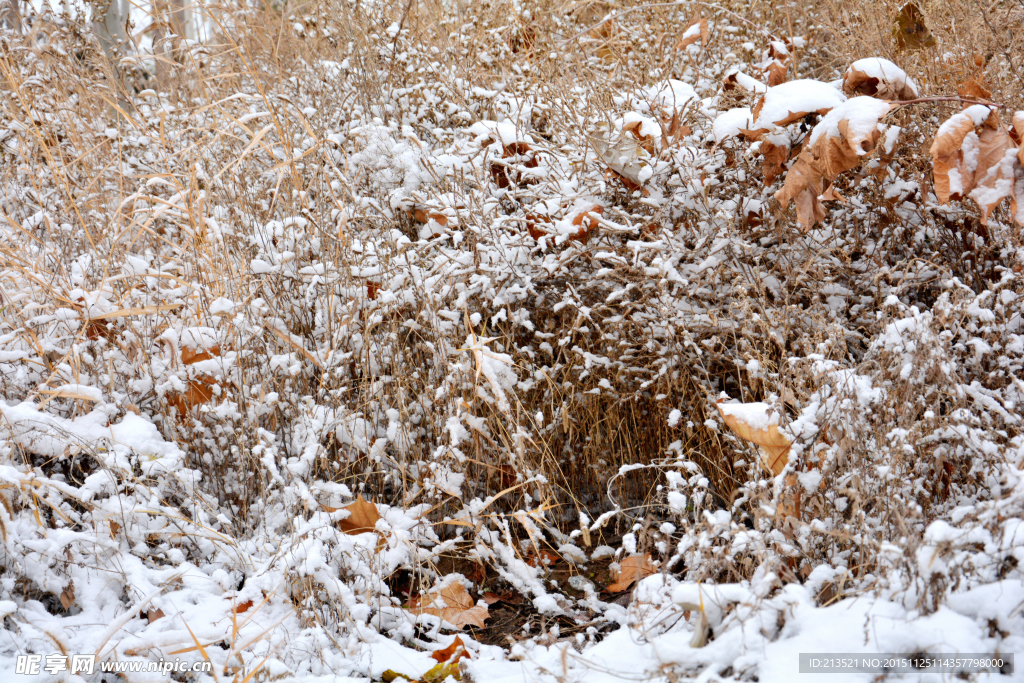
(759, 424)
(995, 173)
(586, 223)
(876, 77)
(363, 516)
(114, 528)
(154, 614)
(631, 570)
(789, 102)
(1017, 199)
(702, 629)
(775, 158)
(776, 73)
(803, 185)
(452, 653)
(191, 356)
(543, 559)
(459, 609)
(509, 597)
(837, 144)
(67, 596)
(974, 89)
(910, 30)
(775, 63)
(973, 155)
(243, 607)
(200, 390)
(696, 30)
(625, 156)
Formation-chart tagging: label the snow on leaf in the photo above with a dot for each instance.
(737, 79)
(973, 155)
(453, 604)
(363, 516)
(1017, 198)
(836, 144)
(995, 173)
(696, 30)
(626, 156)
(877, 77)
(631, 570)
(759, 424)
(729, 124)
(786, 103)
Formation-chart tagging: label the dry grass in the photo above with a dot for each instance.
(198, 194)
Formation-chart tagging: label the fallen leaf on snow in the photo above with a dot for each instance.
(631, 570)
(459, 609)
(363, 516)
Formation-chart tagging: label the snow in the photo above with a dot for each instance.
(977, 113)
(862, 116)
(476, 381)
(729, 123)
(885, 71)
(506, 131)
(671, 94)
(755, 415)
(792, 97)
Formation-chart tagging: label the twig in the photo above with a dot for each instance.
(950, 98)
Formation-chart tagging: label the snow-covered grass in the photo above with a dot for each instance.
(492, 270)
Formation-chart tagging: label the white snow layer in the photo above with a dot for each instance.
(796, 96)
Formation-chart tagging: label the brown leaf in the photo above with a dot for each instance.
(243, 607)
(862, 78)
(995, 173)
(424, 215)
(776, 73)
(362, 518)
(452, 653)
(586, 223)
(691, 37)
(190, 356)
(542, 559)
(67, 596)
(114, 528)
(776, 63)
(803, 185)
(775, 158)
(459, 610)
(832, 195)
(974, 89)
(1017, 199)
(910, 30)
(829, 155)
(508, 596)
(631, 570)
(1017, 131)
(200, 390)
(154, 614)
(746, 421)
(975, 156)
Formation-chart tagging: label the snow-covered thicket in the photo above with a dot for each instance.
(499, 278)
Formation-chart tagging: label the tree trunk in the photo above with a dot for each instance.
(10, 15)
(109, 25)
